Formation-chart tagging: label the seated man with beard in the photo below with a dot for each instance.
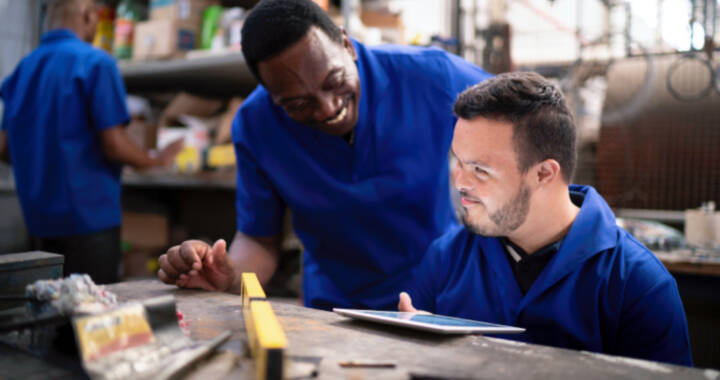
(536, 252)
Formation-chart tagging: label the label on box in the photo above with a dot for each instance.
(100, 335)
(183, 9)
(161, 3)
(186, 39)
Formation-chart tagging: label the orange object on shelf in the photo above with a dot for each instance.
(105, 32)
(323, 4)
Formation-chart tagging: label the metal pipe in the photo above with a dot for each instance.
(628, 29)
(692, 23)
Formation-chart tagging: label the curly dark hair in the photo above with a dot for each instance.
(274, 25)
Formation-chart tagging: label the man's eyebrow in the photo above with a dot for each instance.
(330, 74)
(285, 100)
(474, 162)
(334, 71)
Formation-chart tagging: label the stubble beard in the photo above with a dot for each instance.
(507, 219)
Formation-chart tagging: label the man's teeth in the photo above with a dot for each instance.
(339, 117)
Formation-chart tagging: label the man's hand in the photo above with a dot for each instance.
(119, 147)
(167, 155)
(405, 303)
(194, 264)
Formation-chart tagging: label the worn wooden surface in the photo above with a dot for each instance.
(327, 339)
(703, 269)
(683, 261)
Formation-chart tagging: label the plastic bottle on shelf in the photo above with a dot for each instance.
(105, 26)
(210, 27)
(232, 23)
(128, 13)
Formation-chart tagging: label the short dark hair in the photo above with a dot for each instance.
(274, 25)
(543, 126)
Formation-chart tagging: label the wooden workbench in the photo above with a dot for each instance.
(321, 340)
(326, 338)
(685, 261)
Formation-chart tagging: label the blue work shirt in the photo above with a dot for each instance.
(367, 213)
(603, 291)
(57, 101)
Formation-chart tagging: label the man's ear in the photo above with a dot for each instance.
(347, 44)
(89, 18)
(88, 13)
(547, 171)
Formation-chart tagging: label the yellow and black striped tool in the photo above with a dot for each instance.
(266, 336)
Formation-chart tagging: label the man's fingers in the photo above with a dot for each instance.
(192, 253)
(405, 303)
(178, 263)
(218, 255)
(168, 269)
(164, 277)
(195, 264)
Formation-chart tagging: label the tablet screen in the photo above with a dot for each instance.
(432, 319)
(429, 322)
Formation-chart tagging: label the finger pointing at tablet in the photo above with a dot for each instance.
(405, 303)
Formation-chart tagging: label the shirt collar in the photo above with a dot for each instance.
(58, 34)
(593, 231)
(373, 81)
(518, 253)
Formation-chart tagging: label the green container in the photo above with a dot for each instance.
(210, 25)
(129, 12)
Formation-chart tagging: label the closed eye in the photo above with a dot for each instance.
(480, 172)
(335, 81)
(296, 106)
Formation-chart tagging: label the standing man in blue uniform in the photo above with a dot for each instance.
(534, 252)
(354, 140)
(63, 133)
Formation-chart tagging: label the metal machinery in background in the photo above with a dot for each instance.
(488, 45)
(666, 154)
(649, 129)
(648, 116)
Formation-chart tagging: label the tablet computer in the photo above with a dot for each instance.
(429, 322)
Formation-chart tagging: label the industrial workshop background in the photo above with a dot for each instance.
(641, 76)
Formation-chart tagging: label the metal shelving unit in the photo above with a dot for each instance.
(218, 75)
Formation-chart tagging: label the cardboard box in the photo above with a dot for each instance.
(190, 158)
(179, 9)
(162, 39)
(188, 104)
(391, 25)
(145, 230)
(140, 263)
(223, 133)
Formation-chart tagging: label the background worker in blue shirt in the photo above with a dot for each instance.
(534, 252)
(354, 140)
(62, 132)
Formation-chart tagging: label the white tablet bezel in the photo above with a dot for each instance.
(493, 329)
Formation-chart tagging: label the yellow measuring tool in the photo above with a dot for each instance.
(266, 336)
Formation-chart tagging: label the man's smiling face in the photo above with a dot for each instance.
(316, 82)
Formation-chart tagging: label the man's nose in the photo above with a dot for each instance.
(462, 182)
(328, 106)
